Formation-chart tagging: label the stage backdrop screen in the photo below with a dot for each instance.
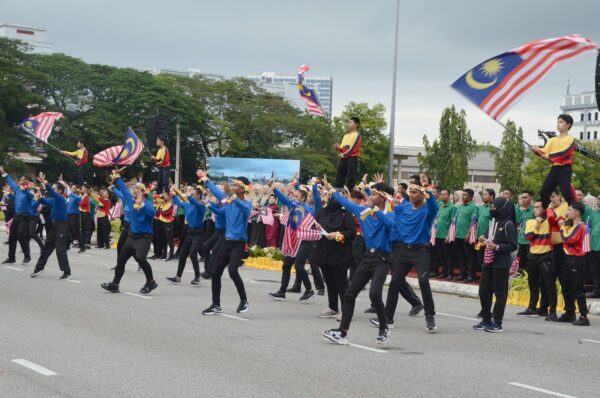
(256, 170)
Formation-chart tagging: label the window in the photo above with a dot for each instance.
(569, 101)
(589, 116)
(581, 135)
(577, 100)
(582, 116)
(596, 116)
(587, 99)
(595, 135)
(588, 135)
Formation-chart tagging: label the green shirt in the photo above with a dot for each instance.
(444, 219)
(93, 206)
(483, 220)
(587, 214)
(522, 216)
(595, 227)
(466, 212)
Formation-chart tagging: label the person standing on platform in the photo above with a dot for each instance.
(82, 160)
(348, 152)
(162, 160)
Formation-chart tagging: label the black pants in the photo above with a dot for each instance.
(75, 230)
(166, 237)
(192, 245)
(163, 179)
(33, 225)
(299, 262)
(211, 247)
(346, 173)
(494, 282)
(19, 232)
(87, 225)
(229, 256)
(440, 260)
(314, 269)
(136, 246)
(374, 267)
(336, 279)
(358, 251)
(57, 238)
(522, 254)
(103, 235)
(540, 270)
(122, 236)
(156, 241)
(576, 270)
(466, 257)
(562, 272)
(595, 265)
(403, 260)
(561, 176)
(81, 172)
(180, 227)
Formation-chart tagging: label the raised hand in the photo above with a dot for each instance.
(41, 178)
(2, 171)
(201, 173)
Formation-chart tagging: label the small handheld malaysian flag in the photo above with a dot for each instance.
(40, 126)
(452, 230)
(473, 230)
(587, 244)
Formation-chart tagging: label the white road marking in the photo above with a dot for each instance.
(83, 255)
(533, 388)
(35, 367)
(591, 341)
(73, 281)
(368, 348)
(15, 268)
(457, 316)
(138, 295)
(235, 317)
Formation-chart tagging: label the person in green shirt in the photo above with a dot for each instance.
(465, 251)
(441, 255)
(580, 198)
(483, 219)
(524, 213)
(594, 223)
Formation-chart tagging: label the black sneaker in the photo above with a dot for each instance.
(111, 287)
(430, 320)
(493, 328)
(153, 257)
(27, 260)
(321, 292)
(481, 326)
(390, 323)
(293, 290)
(213, 310)
(174, 280)
(37, 272)
(528, 312)
(65, 277)
(82, 250)
(551, 317)
(434, 275)
(169, 258)
(542, 312)
(414, 311)
(243, 307)
(195, 281)
(370, 310)
(582, 321)
(277, 296)
(479, 315)
(383, 335)
(205, 275)
(307, 296)
(9, 261)
(148, 287)
(566, 318)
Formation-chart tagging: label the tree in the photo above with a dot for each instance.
(509, 160)
(374, 150)
(446, 159)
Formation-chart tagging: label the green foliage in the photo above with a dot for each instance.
(272, 253)
(374, 151)
(446, 159)
(509, 160)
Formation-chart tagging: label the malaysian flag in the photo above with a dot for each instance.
(313, 105)
(433, 233)
(40, 126)
(587, 244)
(299, 228)
(131, 149)
(473, 230)
(285, 215)
(105, 158)
(452, 230)
(266, 215)
(497, 83)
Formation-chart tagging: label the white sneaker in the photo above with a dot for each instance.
(328, 313)
(335, 335)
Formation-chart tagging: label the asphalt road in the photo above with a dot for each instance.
(72, 339)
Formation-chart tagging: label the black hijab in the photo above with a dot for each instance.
(331, 217)
(501, 210)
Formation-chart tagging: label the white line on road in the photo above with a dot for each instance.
(533, 388)
(73, 281)
(15, 268)
(83, 255)
(456, 316)
(235, 317)
(35, 367)
(368, 348)
(591, 341)
(138, 295)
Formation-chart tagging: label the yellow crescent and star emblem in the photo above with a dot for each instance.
(126, 147)
(490, 69)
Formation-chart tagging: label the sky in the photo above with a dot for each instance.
(350, 40)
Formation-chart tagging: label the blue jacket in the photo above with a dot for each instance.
(73, 204)
(219, 213)
(34, 207)
(142, 217)
(376, 228)
(126, 209)
(236, 214)
(57, 203)
(292, 204)
(413, 226)
(194, 211)
(23, 198)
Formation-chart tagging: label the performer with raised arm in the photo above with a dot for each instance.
(375, 265)
(20, 221)
(82, 160)
(139, 237)
(194, 238)
(213, 244)
(58, 237)
(348, 152)
(237, 211)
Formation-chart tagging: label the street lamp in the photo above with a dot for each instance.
(393, 105)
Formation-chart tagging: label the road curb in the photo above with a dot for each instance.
(458, 289)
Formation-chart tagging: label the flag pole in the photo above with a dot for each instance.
(55, 148)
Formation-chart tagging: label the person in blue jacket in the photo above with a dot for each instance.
(213, 244)
(139, 237)
(231, 254)
(58, 237)
(74, 218)
(19, 229)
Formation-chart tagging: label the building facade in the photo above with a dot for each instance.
(285, 86)
(35, 37)
(583, 108)
(192, 72)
